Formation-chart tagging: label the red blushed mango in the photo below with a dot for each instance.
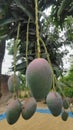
(13, 83)
(54, 102)
(39, 78)
(13, 111)
(28, 108)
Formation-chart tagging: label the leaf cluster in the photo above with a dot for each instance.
(15, 11)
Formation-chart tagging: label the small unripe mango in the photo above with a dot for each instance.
(28, 108)
(54, 102)
(13, 83)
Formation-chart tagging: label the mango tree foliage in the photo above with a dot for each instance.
(66, 82)
(14, 11)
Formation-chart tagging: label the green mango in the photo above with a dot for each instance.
(54, 102)
(64, 116)
(28, 108)
(13, 83)
(39, 78)
(13, 111)
(66, 103)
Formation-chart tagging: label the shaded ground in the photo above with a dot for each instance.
(39, 122)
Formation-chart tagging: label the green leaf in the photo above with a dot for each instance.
(3, 37)
(20, 67)
(2, 14)
(25, 9)
(6, 21)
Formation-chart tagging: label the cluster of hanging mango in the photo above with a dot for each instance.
(41, 81)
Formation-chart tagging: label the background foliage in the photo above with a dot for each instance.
(14, 11)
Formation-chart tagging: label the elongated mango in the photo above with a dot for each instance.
(39, 78)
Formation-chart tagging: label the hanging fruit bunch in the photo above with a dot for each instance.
(40, 79)
(15, 107)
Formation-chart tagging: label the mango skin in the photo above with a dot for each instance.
(54, 103)
(66, 102)
(64, 116)
(39, 78)
(28, 108)
(11, 83)
(13, 111)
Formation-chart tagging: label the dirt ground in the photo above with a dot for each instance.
(39, 121)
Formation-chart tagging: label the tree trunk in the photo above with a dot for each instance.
(2, 52)
(4, 85)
